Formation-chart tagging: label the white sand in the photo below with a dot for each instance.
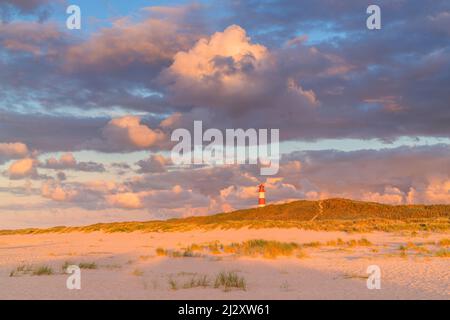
(328, 272)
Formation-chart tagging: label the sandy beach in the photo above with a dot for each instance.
(127, 266)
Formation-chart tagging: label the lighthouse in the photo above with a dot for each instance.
(262, 196)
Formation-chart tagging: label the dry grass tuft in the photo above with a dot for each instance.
(444, 242)
(137, 273)
(197, 281)
(230, 280)
(31, 270)
(161, 252)
(87, 265)
(443, 253)
(267, 249)
(43, 271)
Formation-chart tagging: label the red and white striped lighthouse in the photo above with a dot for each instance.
(262, 196)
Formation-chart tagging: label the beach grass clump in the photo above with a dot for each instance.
(265, 248)
(417, 247)
(21, 270)
(313, 244)
(186, 253)
(43, 271)
(31, 270)
(443, 253)
(215, 247)
(137, 273)
(403, 251)
(194, 247)
(363, 242)
(197, 281)
(65, 265)
(173, 284)
(230, 280)
(444, 242)
(87, 265)
(161, 252)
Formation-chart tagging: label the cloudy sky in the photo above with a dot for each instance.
(86, 115)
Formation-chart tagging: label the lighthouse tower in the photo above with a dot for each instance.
(262, 196)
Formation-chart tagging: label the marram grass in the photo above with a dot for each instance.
(336, 215)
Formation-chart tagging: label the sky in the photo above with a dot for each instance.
(86, 115)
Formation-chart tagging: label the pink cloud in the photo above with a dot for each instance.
(156, 163)
(22, 168)
(13, 150)
(127, 133)
(54, 191)
(126, 200)
(153, 41)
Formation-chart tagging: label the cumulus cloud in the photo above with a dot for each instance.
(55, 191)
(23, 168)
(223, 57)
(12, 151)
(169, 200)
(128, 134)
(156, 163)
(227, 80)
(228, 71)
(68, 161)
(129, 44)
(126, 200)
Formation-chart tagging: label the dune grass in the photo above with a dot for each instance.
(442, 253)
(229, 280)
(137, 273)
(225, 280)
(268, 249)
(197, 281)
(43, 271)
(173, 284)
(336, 215)
(87, 265)
(160, 252)
(66, 265)
(444, 242)
(21, 270)
(187, 253)
(259, 247)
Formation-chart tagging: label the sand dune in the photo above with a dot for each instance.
(127, 266)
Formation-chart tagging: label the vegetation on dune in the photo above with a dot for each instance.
(31, 270)
(229, 280)
(137, 273)
(223, 280)
(21, 270)
(335, 215)
(443, 253)
(267, 249)
(87, 265)
(43, 271)
(197, 281)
